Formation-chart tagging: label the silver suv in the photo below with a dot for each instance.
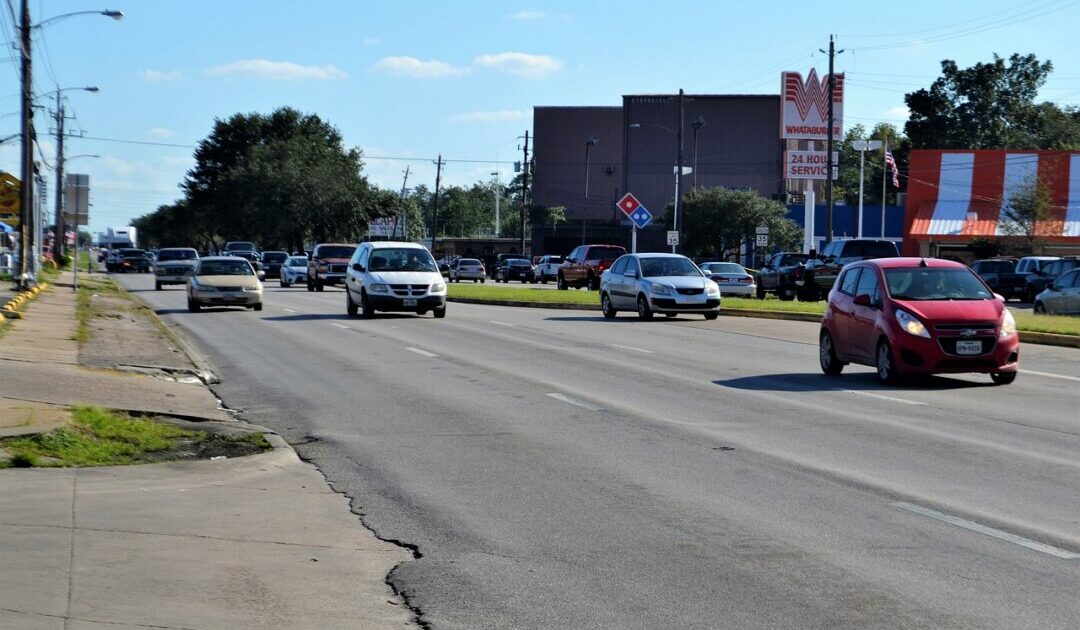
(657, 283)
(174, 265)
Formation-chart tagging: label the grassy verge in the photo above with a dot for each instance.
(522, 293)
(86, 308)
(98, 437)
(1057, 324)
(772, 303)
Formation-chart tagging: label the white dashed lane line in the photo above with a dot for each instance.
(889, 398)
(574, 401)
(337, 325)
(423, 353)
(1049, 375)
(631, 348)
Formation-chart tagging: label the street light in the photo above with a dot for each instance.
(698, 123)
(116, 15)
(58, 221)
(589, 143)
(678, 170)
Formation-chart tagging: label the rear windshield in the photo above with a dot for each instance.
(238, 267)
(176, 254)
(996, 266)
(519, 262)
(335, 251)
(274, 257)
(870, 249)
(923, 283)
(469, 261)
(554, 259)
(402, 259)
(604, 253)
(668, 266)
(133, 253)
(722, 268)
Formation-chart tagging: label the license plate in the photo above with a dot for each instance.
(409, 302)
(968, 347)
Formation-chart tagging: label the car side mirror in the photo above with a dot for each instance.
(863, 299)
(999, 297)
(358, 267)
(1050, 285)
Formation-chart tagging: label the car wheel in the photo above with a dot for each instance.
(1040, 308)
(1003, 378)
(543, 279)
(318, 286)
(257, 307)
(886, 364)
(310, 286)
(284, 283)
(593, 283)
(350, 306)
(605, 305)
(670, 315)
(366, 310)
(561, 283)
(157, 286)
(439, 313)
(711, 316)
(481, 281)
(808, 294)
(192, 307)
(827, 355)
(760, 292)
(644, 312)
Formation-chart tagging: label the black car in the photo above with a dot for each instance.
(777, 275)
(819, 275)
(272, 261)
(516, 269)
(1035, 282)
(1000, 275)
(252, 256)
(133, 260)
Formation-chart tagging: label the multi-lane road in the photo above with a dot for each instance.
(557, 470)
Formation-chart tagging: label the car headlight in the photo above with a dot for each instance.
(438, 287)
(378, 287)
(911, 324)
(659, 289)
(1008, 324)
(322, 268)
(712, 290)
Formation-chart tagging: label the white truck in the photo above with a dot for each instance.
(120, 237)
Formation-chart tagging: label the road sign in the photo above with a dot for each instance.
(762, 240)
(628, 204)
(641, 217)
(761, 229)
(866, 145)
(76, 199)
(672, 237)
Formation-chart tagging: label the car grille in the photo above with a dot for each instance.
(409, 290)
(690, 291)
(176, 271)
(337, 268)
(667, 303)
(968, 326)
(230, 288)
(948, 345)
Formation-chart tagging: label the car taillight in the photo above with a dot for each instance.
(602, 266)
(748, 278)
(797, 273)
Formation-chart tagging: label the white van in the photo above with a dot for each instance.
(393, 276)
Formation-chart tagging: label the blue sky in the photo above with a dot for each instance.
(411, 79)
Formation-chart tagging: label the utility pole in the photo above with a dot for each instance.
(435, 213)
(26, 198)
(400, 215)
(589, 143)
(884, 171)
(678, 171)
(829, 144)
(59, 242)
(524, 188)
(497, 215)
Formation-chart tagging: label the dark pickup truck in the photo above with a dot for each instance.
(777, 275)
(819, 274)
(1000, 275)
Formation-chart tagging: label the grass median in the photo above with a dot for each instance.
(522, 293)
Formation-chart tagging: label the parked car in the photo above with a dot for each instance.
(327, 264)
(224, 281)
(731, 277)
(1000, 275)
(657, 283)
(133, 260)
(516, 269)
(777, 275)
(272, 261)
(547, 267)
(1032, 264)
(917, 316)
(819, 274)
(499, 259)
(174, 265)
(584, 266)
(1061, 295)
(1035, 283)
(293, 271)
(392, 276)
(467, 269)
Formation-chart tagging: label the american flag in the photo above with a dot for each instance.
(890, 162)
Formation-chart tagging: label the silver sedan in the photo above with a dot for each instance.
(1062, 295)
(657, 283)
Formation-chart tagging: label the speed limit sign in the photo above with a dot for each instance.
(762, 240)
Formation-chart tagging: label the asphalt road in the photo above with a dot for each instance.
(557, 470)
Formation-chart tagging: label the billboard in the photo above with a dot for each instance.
(809, 164)
(804, 111)
(387, 227)
(76, 199)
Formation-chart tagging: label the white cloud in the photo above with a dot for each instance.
(502, 115)
(371, 41)
(278, 70)
(159, 75)
(417, 68)
(160, 132)
(529, 14)
(899, 111)
(521, 64)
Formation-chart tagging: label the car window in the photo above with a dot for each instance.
(1068, 280)
(791, 259)
(849, 281)
(402, 259)
(553, 259)
(176, 254)
(620, 265)
(238, 267)
(723, 268)
(995, 266)
(663, 266)
(468, 261)
(868, 284)
(871, 249)
(605, 253)
(935, 283)
(335, 251)
(574, 255)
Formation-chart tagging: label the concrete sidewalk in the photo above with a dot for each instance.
(248, 542)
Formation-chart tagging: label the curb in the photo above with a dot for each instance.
(11, 308)
(1050, 339)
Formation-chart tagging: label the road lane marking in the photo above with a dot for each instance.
(424, 353)
(631, 348)
(889, 398)
(1057, 552)
(342, 326)
(1049, 375)
(290, 310)
(502, 323)
(573, 401)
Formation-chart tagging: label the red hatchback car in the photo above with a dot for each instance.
(917, 316)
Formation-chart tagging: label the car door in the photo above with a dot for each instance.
(862, 329)
(1067, 294)
(769, 275)
(354, 279)
(841, 301)
(571, 267)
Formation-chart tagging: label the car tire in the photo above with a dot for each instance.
(670, 315)
(593, 283)
(808, 294)
(886, 364)
(760, 292)
(606, 307)
(543, 279)
(830, 364)
(1003, 378)
(192, 307)
(1040, 308)
(712, 316)
(439, 313)
(157, 286)
(366, 310)
(481, 281)
(257, 307)
(644, 311)
(285, 284)
(310, 286)
(561, 283)
(350, 306)
(318, 286)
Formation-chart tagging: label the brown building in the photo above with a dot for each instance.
(737, 146)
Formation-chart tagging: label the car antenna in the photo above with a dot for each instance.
(922, 262)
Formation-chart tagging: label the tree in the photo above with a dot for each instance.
(555, 216)
(716, 221)
(1027, 214)
(990, 106)
(847, 185)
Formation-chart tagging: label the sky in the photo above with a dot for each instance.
(406, 80)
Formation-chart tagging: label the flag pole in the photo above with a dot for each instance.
(884, 170)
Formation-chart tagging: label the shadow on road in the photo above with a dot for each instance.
(208, 309)
(306, 317)
(867, 381)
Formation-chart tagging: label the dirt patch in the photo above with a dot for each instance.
(209, 447)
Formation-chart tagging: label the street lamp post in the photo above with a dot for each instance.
(678, 158)
(862, 146)
(589, 143)
(698, 123)
(59, 230)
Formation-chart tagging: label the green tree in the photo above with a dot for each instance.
(847, 184)
(990, 106)
(1027, 214)
(716, 221)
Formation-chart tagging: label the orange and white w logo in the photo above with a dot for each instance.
(805, 105)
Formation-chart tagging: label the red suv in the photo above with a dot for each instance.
(584, 266)
(917, 316)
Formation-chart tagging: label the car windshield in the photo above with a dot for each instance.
(237, 267)
(133, 253)
(402, 259)
(997, 266)
(336, 251)
(722, 268)
(297, 261)
(794, 259)
(274, 257)
(604, 253)
(468, 261)
(519, 262)
(928, 283)
(668, 266)
(176, 254)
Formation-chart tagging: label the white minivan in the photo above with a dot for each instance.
(393, 276)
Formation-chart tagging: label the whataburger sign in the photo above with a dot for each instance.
(804, 111)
